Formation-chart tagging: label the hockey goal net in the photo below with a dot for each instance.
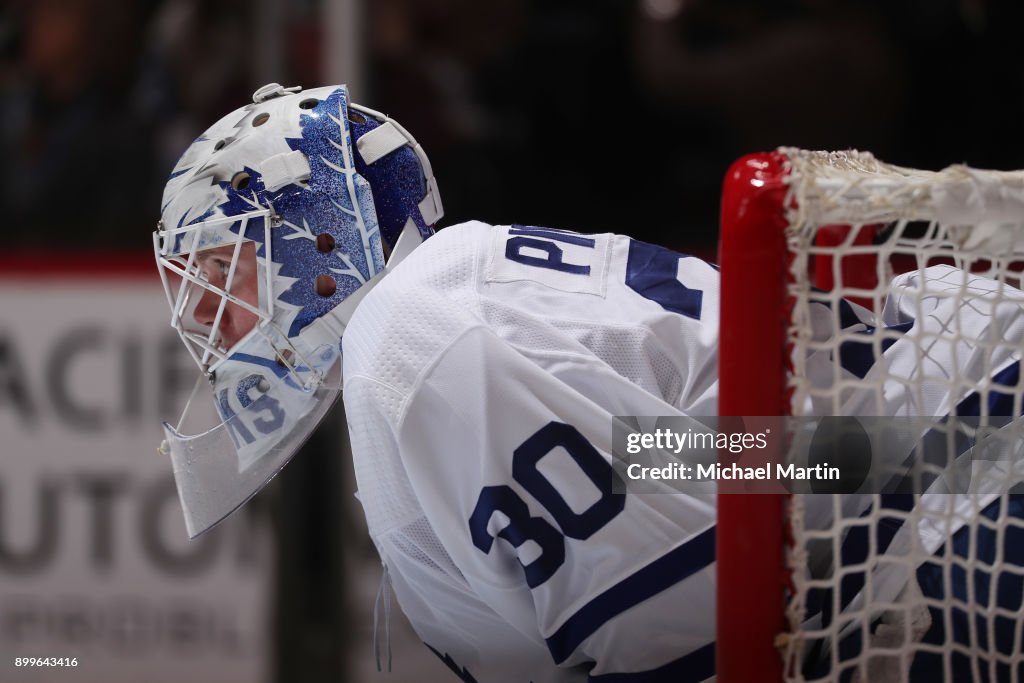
(912, 579)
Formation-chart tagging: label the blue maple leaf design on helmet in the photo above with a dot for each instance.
(335, 200)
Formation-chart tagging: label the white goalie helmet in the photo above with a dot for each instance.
(274, 224)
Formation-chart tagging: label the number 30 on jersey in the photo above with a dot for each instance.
(523, 527)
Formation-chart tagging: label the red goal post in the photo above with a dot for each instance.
(803, 227)
(749, 545)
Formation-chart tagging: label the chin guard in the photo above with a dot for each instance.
(219, 470)
(267, 409)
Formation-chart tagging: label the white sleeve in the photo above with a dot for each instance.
(508, 457)
(460, 628)
(467, 635)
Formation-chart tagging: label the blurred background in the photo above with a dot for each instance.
(590, 115)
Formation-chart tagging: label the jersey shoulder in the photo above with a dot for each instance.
(417, 310)
(601, 296)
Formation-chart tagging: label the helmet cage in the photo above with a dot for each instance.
(177, 251)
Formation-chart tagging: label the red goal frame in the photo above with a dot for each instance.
(751, 567)
(756, 339)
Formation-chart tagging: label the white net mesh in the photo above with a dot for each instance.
(906, 303)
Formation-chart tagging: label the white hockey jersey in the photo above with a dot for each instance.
(481, 378)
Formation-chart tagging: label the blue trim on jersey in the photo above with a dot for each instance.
(653, 273)
(447, 660)
(999, 403)
(991, 585)
(857, 356)
(854, 550)
(694, 667)
(662, 573)
(847, 314)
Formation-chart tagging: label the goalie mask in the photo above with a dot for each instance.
(275, 223)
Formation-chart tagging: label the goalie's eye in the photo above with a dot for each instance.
(221, 268)
(214, 269)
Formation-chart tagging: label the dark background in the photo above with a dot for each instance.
(618, 115)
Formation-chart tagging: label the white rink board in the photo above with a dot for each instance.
(94, 559)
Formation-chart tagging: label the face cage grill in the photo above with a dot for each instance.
(171, 244)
